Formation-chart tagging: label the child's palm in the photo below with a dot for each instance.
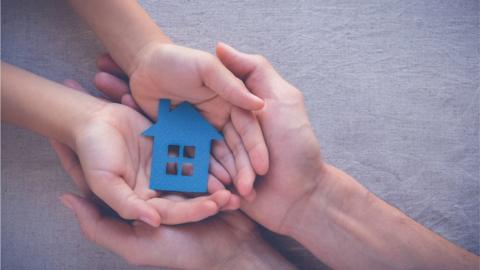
(112, 160)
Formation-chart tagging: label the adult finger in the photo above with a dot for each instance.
(106, 63)
(214, 184)
(222, 81)
(224, 156)
(128, 100)
(245, 176)
(248, 127)
(257, 73)
(109, 233)
(219, 171)
(111, 86)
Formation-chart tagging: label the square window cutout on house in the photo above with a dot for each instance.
(187, 169)
(171, 168)
(173, 150)
(189, 151)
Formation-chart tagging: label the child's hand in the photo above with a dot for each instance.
(113, 160)
(183, 74)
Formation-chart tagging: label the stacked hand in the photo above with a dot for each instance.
(115, 159)
(295, 159)
(181, 74)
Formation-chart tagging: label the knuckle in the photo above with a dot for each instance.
(243, 130)
(252, 147)
(238, 149)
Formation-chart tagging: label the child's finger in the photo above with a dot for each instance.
(111, 86)
(189, 210)
(224, 156)
(128, 100)
(245, 176)
(219, 171)
(107, 64)
(233, 203)
(248, 127)
(107, 232)
(222, 81)
(115, 192)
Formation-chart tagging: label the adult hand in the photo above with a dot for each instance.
(295, 161)
(321, 207)
(228, 241)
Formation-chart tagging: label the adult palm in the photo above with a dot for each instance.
(208, 244)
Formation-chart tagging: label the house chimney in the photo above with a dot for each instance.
(163, 107)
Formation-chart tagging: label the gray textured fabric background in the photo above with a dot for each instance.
(392, 89)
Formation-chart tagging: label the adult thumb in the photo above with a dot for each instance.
(239, 63)
(87, 214)
(256, 72)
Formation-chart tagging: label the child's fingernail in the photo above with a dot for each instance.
(148, 220)
(66, 202)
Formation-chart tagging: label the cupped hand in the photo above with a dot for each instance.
(183, 74)
(112, 159)
(295, 160)
(216, 243)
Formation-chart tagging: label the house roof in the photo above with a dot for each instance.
(184, 123)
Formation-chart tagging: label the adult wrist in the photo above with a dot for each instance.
(335, 192)
(255, 254)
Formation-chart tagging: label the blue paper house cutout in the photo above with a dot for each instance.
(181, 148)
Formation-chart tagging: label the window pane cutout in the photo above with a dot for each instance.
(171, 168)
(173, 150)
(187, 169)
(189, 151)
(175, 165)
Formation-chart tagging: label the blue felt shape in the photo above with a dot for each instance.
(180, 129)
